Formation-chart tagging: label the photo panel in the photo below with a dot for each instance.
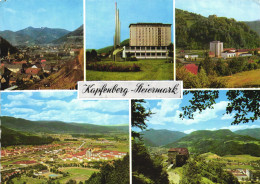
(217, 43)
(52, 137)
(206, 137)
(41, 44)
(129, 40)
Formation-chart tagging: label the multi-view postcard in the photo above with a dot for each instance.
(41, 44)
(191, 67)
(129, 40)
(218, 43)
(51, 137)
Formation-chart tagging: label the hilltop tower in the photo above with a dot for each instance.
(117, 28)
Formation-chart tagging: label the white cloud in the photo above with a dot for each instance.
(189, 131)
(240, 127)
(57, 94)
(205, 115)
(10, 10)
(164, 111)
(20, 96)
(227, 117)
(20, 110)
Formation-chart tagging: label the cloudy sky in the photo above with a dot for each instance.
(167, 116)
(19, 14)
(241, 10)
(100, 18)
(63, 106)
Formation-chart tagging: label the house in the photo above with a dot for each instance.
(178, 156)
(32, 71)
(228, 54)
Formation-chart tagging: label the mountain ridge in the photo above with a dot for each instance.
(20, 124)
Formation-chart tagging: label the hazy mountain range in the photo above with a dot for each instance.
(24, 125)
(43, 35)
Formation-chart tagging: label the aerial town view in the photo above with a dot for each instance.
(218, 46)
(51, 137)
(129, 41)
(41, 44)
(215, 146)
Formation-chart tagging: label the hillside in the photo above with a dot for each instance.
(31, 36)
(153, 137)
(11, 137)
(24, 125)
(108, 49)
(254, 132)
(5, 46)
(254, 25)
(194, 31)
(71, 38)
(220, 142)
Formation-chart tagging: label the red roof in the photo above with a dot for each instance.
(33, 71)
(192, 68)
(43, 60)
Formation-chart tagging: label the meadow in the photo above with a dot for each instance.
(76, 173)
(243, 79)
(150, 70)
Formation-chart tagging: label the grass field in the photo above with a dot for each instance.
(241, 158)
(28, 180)
(150, 70)
(243, 79)
(76, 173)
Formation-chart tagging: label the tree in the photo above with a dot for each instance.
(139, 116)
(243, 103)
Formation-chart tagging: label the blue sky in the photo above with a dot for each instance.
(100, 18)
(167, 116)
(241, 10)
(19, 14)
(63, 106)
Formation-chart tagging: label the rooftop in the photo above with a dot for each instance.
(147, 23)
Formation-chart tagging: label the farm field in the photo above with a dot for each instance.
(78, 174)
(243, 79)
(150, 70)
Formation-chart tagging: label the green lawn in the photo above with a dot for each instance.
(150, 70)
(243, 79)
(76, 173)
(28, 180)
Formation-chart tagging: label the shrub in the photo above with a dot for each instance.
(112, 67)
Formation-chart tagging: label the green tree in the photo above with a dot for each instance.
(138, 116)
(243, 103)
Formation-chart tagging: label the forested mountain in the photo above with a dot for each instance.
(5, 46)
(153, 137)
(253, 132)
(57, 126)
(221, 142)
(194, 31)
(30, 35)
(72, 37)
(254, 25)
(11, 137)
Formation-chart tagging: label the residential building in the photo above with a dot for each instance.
(148, 41)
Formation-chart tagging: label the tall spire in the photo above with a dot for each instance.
(117, 28)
